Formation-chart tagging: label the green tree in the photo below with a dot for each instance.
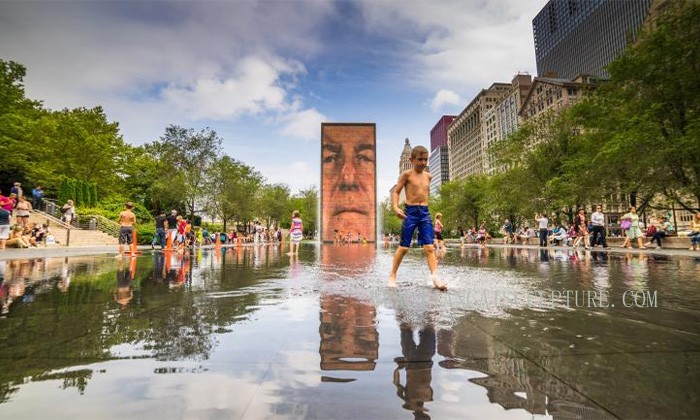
(18, 125)
(191, 155)
(79, 144)
(306, 201)
(463, 201)
(230, 190)
(78, 188)
(87, 200)
(390, 223)
(93, 195)
(645, 120)
(273, 203)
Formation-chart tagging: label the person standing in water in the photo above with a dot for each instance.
(416, 181)
(296, 233)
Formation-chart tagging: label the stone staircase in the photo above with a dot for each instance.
(78, 237)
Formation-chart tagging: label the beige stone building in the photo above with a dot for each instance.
(466, 136)
(549, 94)
(504, 120)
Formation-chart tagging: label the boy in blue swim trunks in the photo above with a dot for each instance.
(417, 184)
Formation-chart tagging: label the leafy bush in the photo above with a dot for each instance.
(110, 208)
(145, 234)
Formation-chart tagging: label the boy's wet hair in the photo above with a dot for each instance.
(418, 150)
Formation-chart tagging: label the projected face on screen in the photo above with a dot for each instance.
(348, 170)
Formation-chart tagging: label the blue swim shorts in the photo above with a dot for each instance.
(417, 217)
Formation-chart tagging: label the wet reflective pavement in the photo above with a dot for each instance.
(253, 334)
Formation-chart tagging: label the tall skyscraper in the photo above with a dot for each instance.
(575, 37)
(438, 135)
(439, 158)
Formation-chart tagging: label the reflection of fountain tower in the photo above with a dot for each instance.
(349, 339)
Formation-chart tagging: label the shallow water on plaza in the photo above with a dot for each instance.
(253, 333)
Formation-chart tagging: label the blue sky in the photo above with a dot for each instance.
(265, 74)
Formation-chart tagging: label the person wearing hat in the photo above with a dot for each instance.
(17, 190)
(665, 229)
(68, 210)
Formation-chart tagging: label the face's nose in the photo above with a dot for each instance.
(348, 172)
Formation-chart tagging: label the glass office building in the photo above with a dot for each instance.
(575, 37)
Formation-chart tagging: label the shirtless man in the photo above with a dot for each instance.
(417, 184)
(127, 220)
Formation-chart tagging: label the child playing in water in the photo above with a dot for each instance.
(417, 183)
(439, 241)
(295, 233)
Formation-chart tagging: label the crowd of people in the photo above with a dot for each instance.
(182, 235)
(23, 233)
(592, 231)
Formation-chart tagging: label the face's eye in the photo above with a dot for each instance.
(365, 157)
(330, 157)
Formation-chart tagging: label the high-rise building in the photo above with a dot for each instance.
(503, 120)
(510, 106)
(466, 136)
(438, 135)
(575, 37)
(439, 168)
(439, 158)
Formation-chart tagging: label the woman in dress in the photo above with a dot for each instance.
(633, 232)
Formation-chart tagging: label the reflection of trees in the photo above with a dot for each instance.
(84, 324)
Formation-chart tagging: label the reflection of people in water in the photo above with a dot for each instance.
(65, 277)
(159, 270)
(180, 270)
(417, 361)
(124, 292)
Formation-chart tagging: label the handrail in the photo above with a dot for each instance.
(86, 222)
(101, 223)
(53, 219)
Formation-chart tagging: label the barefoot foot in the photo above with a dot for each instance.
(437, 283)
(392, 280)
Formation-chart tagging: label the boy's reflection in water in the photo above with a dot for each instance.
(417, 362)
(124, 292)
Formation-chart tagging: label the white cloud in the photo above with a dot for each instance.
(444, 97)
(300, 166)
(179, 61)
(298, 175)
(464, 46)
(304, 124)
(254, 87)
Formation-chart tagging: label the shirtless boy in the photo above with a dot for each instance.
(127, 220)
(417, 184)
